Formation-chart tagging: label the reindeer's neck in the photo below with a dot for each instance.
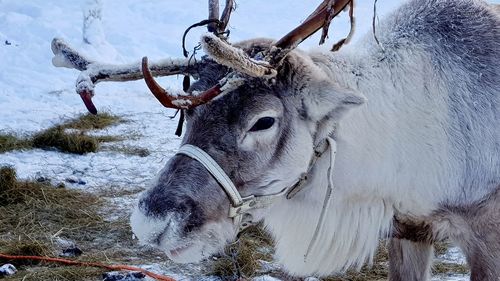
(365, 188)
(382, 145)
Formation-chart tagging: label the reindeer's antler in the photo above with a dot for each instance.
(320, 18)
(218, 26)
(187, 101)
(184, 100)
(93, 72)
(215, 46)
(225, 54)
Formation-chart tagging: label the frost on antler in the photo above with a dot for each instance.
(215, 45)
(66, 56)
(236, 58)
(94, 72)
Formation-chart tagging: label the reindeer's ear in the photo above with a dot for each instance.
(328, 100)
(322, 97)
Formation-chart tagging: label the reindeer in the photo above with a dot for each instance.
(398, 139)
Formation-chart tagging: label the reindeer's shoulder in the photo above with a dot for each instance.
(450, 20)
(452, 32)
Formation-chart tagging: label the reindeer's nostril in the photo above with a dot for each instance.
(196, 216)
(142, 205)
(158, 204)
(161, 206)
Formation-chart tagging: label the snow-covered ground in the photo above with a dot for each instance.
(35, 95)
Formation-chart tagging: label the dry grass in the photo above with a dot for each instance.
(69, 137)
(378, 271)
(446, 268)
(93, 122)
(242, 258)
(54, 273)
(35, 213)
(34, 216)
(440, 248)
(58, 138)
(10, 142)
(128, 150)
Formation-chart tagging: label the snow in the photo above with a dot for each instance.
(35, 95)
(453, 255)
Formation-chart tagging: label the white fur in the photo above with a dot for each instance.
(399, 152)
(393, 157)
(350, 234)
(195, 247)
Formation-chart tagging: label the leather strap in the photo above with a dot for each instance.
(238, 210)
(215, 170)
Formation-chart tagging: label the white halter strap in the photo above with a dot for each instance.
(239, 206)
(215, 170)
(238, 210)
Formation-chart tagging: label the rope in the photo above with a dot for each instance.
(326, 202)
(89, 264)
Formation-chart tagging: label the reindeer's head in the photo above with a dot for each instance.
(262, 135)
(276, 106)
(271, 106)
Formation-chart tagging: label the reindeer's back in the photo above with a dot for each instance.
(461, 39)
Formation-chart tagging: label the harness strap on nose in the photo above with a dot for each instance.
(215, 170)
(238, 210)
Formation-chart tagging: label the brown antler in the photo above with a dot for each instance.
(226, 14)
(321, 17)
(177, 101)
(93, 72)
(235, 58)
(218, 27)
(184, 100)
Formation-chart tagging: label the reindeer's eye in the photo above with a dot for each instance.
(263, 123)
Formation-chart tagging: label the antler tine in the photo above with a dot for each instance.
(326, 10)
(182, 101)
(226, 14)
(230, 56)
(219, 26)
(213, 14)
(93, 72)
(321, 17)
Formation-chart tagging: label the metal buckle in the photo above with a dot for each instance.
(297, 186)
(247, 204)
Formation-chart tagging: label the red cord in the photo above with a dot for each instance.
(90, 264)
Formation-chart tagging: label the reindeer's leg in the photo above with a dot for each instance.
(484, 258)
(481, 246)
(480, 237)
(410, 250)
(476, 229)
(409, 261)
